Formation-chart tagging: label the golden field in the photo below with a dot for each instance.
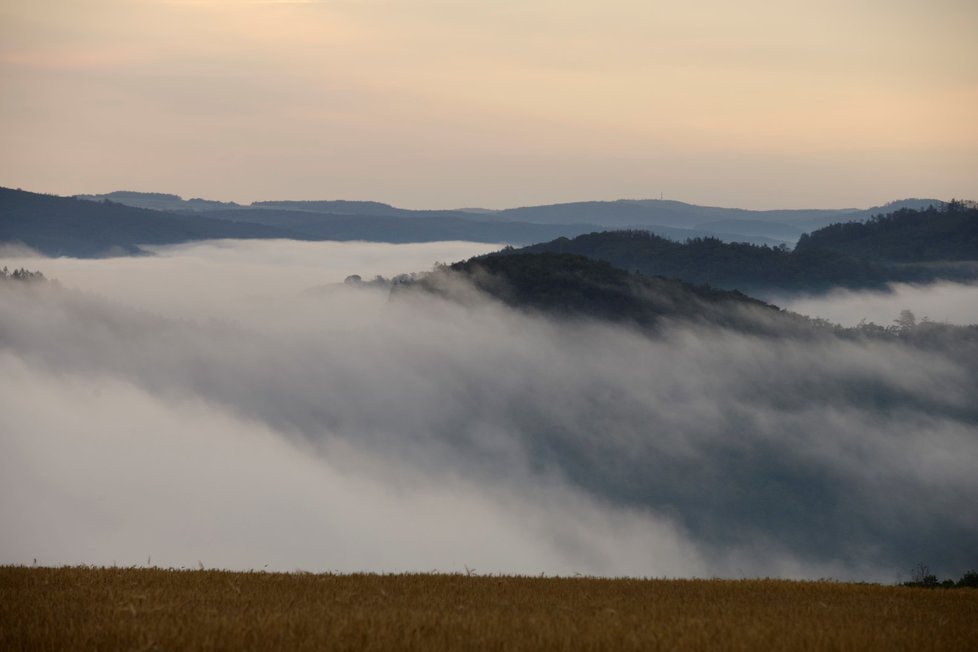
(155, 609)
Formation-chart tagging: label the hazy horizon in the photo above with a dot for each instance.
(432, 104)
(882, 202)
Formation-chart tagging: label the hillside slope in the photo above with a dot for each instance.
(62, 226)
(570, 285)
(904, 236)
(905, 246)
(83, 227)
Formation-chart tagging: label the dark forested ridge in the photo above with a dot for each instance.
(624, 213)
(708, 260)
(159, 201)
(668, 218)
(313, 225)
(117, 223)
(96, 225)
(907, 245)
(576, 286)
(949, 233)
(63, 226)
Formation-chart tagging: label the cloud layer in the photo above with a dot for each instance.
(201, 405)
(953, 303)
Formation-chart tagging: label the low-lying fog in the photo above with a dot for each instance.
(221, 403)
(952, 303)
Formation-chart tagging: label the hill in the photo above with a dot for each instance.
(159, 201)
(331, 219)
(117, 223)
(426, 226)
(668, 218)
(904, 236)
(901, 247)
(312, 225)
(63, 226)
(576, 286)
(625, 213)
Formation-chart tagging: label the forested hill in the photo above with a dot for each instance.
(745, 267)
(904, 236)
(577, 286)
(902, 246)
(64, 226)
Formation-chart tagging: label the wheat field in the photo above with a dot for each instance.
(81, 608)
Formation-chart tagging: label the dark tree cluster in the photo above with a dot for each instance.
(913, 246)
(21, 274)
(743, 266)
(569, 285)
(945, 233)
(921, 577)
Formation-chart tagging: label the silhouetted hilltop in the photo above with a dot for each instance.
(426, 226)
(746, 267)
(159, 201)
(335, 207)
(103, 224)
(63, 226)
(898, 247)
(626, 213)
(668, 218)
(396, 229)
(949, 233)
(577, 286)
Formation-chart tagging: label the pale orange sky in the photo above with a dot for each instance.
(439, 103)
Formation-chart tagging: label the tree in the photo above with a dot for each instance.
(906, 322)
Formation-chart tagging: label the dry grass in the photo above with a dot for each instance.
(147, 609)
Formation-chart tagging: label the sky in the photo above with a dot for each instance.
(493, 103)
(233, 404)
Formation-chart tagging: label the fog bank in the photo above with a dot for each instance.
(202, 406)
(953, 303)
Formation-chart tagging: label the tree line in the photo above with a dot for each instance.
(21, 274)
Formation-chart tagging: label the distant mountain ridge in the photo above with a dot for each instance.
(636, 212)
(661, 216)
(61, 226)
(99, 225)
(96, 226)
(159, 201)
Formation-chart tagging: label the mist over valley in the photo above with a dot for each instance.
(428, 325)
(236, 403)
